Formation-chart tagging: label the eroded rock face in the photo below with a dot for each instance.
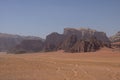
(68, 42)
(77, 40)
(53, 41)
(84, 33)
(86, 45)
(74, 44)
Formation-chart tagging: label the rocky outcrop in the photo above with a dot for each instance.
(115, 40)
(74, 44)
(77, 40)
(90, 45)
(68, 42)
(86, 33)
(53, 41)
(116, 37)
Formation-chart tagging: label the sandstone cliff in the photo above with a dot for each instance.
(77, 40)
(53, 41)
(86, 33)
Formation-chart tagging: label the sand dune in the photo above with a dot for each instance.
(101, 65)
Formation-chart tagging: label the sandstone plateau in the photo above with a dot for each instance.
(76, 40)
(115, 40)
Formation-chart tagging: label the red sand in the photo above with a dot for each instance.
(101, 65)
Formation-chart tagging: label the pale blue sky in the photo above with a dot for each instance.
(41, 17)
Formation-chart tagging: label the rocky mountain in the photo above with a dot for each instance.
(115, 40)
(73, 44)
(53, 41)
(86, 33)
(72, 40)
(8, 41)
(76, 40)
(116, 37)
(27, 45)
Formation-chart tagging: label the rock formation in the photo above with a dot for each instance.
(7, 41)
(68, 43)
(116, 37)
(76, 40)
(53, 41)
(90, 45)
(72, 40)
(115, 40)
(28, 46)
(86, 33)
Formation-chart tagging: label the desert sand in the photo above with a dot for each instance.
(101, 65)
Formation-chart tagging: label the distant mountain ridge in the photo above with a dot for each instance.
(72, 40)
(7, 41)
(3, 35)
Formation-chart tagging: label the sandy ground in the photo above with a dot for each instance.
(100, 65)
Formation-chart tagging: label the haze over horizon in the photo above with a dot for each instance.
(41, 17)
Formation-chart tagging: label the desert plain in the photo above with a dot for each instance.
(100, 65)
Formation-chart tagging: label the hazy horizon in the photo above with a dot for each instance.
(41, 17)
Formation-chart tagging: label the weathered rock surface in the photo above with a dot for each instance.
(90, 45)
(86, 33)
(53, 41)
(68, 43)
(77, 40)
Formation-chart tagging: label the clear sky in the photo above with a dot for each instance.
(41, 17)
